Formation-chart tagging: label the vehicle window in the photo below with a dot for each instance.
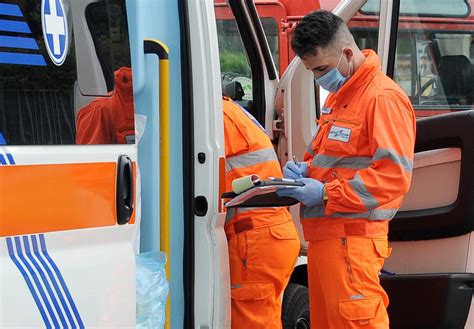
(365, 29)
(53, 69)
(270, 27)
(429, 8)
(235, 68)
(434, 61)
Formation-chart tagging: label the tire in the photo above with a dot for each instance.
(295, 307)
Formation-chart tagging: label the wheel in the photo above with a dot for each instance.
(295, 308)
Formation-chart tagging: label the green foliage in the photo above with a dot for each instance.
(235, 63)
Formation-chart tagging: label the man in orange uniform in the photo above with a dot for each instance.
(358, 168)
(263, 242)
(109, 120)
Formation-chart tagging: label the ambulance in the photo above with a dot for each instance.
(74, 212)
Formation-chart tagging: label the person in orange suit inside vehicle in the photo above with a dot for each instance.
(109, 120)
(356, 171)
(263, 242)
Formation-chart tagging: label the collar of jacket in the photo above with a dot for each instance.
(370, 66)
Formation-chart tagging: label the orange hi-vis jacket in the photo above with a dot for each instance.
(109, 120)
(249, 151)
(363, 152)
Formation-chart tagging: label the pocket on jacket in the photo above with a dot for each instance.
(361, 310)
(285, 231)
(382, 248)
(255, 291)
(343, 136)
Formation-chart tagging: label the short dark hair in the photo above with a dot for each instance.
(317, 29)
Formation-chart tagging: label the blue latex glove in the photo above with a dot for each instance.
(294, 171)
(311, 194)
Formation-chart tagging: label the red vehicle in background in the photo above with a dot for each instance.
(279, 18)
(434, 55)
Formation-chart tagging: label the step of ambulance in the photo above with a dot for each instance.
(428, 301)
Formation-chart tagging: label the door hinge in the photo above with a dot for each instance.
(287, 26)
(278, 126)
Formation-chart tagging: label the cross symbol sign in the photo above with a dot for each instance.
(55, 26)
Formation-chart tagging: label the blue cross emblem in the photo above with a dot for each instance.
(55, 30)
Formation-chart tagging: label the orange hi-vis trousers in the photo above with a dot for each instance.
(261, 262)
(344, 286)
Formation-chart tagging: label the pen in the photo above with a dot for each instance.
(295, 160)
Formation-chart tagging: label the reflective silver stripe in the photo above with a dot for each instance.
(236, 286)
(231, 212)
(361, 190)
(390, 154)
(250, 159)
(327, 161)
(376, 214)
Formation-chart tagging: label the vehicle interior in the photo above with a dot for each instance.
(33, 97)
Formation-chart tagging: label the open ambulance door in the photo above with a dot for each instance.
(231, 28)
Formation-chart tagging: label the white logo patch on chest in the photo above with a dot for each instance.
(340, 134)
(326, 110)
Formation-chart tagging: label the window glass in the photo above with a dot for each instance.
(270, 27)
(51, 68)
(434, 63)
(235, 68)
(443, 8)
(365, 29)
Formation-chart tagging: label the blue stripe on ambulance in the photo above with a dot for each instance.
(61, 280)
(53, 280)
(35, 283)
(4, 153)
(11, 253)
(10, 10)
(4, 156)
(38, 268)
(10, 43)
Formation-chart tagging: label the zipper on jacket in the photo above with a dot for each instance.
(352, 122)
(346, 259)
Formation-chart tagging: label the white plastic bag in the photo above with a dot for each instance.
(152, 289)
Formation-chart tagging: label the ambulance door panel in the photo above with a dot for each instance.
(211, 273)
(442, 166)
(64, 259)
(438, 79)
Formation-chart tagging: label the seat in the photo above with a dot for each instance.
(456, 76)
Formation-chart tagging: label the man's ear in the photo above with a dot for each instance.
(348, 53)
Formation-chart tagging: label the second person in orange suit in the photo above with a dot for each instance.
(263, 242)
(109, 120)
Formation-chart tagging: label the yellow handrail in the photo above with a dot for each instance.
(152, 46)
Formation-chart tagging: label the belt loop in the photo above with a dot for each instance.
(243, 224)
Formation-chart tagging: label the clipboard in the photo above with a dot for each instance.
(263, 194)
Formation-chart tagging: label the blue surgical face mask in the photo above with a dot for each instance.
(333, 80)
